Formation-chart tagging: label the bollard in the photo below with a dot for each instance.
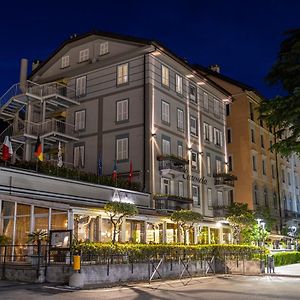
(76, 263)
(76, 279)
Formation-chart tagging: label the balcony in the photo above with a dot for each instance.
(169, 164)
(51, 131)
(219, 211)
(171, 202)
(224, 181)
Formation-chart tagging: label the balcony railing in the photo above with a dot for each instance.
(171, 202)
(171, 164)
(225, 180)
(220, 211)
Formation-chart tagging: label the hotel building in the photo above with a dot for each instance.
(108, 98)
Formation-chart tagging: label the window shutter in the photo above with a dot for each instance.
(210, 133)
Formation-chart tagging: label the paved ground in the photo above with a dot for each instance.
(210, 288)
(293, 270)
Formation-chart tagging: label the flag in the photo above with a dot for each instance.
(114, 174)
(59, 156)
(130, 173)
(38, 152)
(100, 165)
(7, 150)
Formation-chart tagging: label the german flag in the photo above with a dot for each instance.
(38, 152)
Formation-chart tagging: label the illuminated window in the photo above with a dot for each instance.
(103, 48)
(122, 74)
(178, 84)
(65, 61)
(164, 75)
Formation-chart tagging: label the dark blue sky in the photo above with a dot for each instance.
(243, 37)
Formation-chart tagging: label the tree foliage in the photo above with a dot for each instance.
(117, 212)
(185, 220)
(283, 112)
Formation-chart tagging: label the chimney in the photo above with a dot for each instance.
(35, 64)
(215, 68)
(23, 73)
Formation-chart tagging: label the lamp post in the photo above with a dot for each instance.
(263, 225)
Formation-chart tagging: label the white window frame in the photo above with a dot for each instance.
(165, 111)
(79, 119)
(123, 73)
(194, 129)
(122, 110)
(195, 161)
(206, 132)
(180, 119)
(165, 76)
(84, 55)
(192, 97)
(196, 196)
(165, 186)
(122, 148)
(178, 81)
(180, 150)
(218, 166)
(205, 101)
(80, 86)
(79, 156)
(216, 107)
(65, 61)
(165, 146)
(208, 165)
(180, 189)
(103, 48)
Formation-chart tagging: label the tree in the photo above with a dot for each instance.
(185, 220)
(117, 212)
(243, 221)
(283, 112)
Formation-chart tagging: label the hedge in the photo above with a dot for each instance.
(286, 258)
(146, 251)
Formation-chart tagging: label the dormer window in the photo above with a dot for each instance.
(65, 61)
(103, 48)
(84, 55)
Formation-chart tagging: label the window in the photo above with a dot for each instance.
(264, 167)
(230, 197)
(80, 86)
(216, 107)
(209, 197)
(194, 122)
(195, 191)
(180, 189)
(103, 48)
(79, 120)
(65, 61)
(255, 192)
(165, 186)
(178, 84)
(164, 75)
(208, 165)
(252, 136)
(289, 178)
(166, 149)
(165, 112)
(220, 198)
(179, 150)
(227, 108)
(251, 111)
(218, 166)
(122, 110)
(228, 135)
(193, 93)
(273, 171)
(266, 198)
(122, 149)
(84, 55)
(262, 143)
(283, 176)
(122, 74)
(230, 163)
(218, 137)
(79, 156)
(254, 163)
(206, 132)
(194, 160)
(205, 100)
(180, 119)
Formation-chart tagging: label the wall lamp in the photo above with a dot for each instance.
(200, 153)
(190, 148)
(154, 135)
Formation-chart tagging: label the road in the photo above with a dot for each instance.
(209, 288)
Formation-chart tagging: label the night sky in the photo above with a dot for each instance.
(243, 37)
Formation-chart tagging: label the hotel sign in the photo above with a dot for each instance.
(193, 178)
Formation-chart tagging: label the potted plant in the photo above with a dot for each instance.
(36, 238)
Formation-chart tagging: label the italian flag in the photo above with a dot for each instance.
(38, 152)
(7, 150)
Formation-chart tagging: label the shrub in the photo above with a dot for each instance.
(286, 258)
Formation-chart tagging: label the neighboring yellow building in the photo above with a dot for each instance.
(265, 180)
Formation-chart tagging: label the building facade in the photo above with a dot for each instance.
(119, 101)
(265, 179)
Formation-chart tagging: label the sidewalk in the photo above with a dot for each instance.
(292, 270)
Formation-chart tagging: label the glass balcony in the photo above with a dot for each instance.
(173, 165)
(224, 181)
(171, 202)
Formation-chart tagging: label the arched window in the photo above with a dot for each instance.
(255, 194)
